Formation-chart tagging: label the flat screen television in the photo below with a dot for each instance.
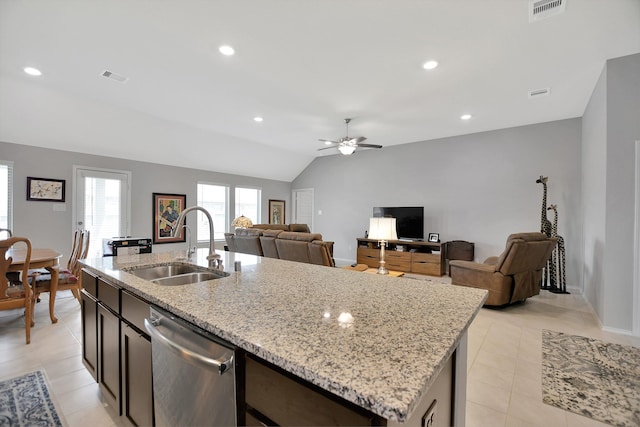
(409, 220)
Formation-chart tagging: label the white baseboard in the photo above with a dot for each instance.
(573, 290)
(617, 331)
(341, 262)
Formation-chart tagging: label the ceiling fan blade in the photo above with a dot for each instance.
(329, 140)
(369, 145)
(358, 139)
(326, 148)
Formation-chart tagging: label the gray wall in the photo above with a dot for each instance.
(611, 127)
(478, 187)
(48, 228)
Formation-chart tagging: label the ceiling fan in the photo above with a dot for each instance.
(347, 145)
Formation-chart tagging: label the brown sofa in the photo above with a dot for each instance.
(288, 245)
(302, 228)
(513, 276)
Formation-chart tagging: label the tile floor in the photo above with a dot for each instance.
(504, 360)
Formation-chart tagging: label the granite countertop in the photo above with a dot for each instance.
(376, 341)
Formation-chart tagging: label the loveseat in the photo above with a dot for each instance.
(281, 244)
(512, 277)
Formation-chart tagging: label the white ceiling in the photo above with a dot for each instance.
(302, 65)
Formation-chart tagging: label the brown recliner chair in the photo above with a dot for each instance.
(513, 276)
(268, 242)
(294, 246)
(247, 241)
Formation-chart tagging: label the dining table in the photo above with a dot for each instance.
(40, 258)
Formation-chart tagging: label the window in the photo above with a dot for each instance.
(214, 198)
(248, 203)
(6, 194)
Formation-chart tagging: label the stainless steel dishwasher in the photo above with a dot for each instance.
(193, 374)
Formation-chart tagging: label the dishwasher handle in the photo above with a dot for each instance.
(221, 365)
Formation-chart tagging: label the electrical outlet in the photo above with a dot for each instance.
(429, 417)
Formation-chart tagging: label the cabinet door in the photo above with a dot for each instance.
(109, 356)
(89, 308)
(137, 386)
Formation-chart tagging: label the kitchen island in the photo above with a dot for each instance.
(377, 342)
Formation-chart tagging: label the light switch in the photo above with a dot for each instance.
(319, 211)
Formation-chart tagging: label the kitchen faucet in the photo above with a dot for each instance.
(190, 250)
(213, 256)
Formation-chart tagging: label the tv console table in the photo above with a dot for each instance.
(404, 255)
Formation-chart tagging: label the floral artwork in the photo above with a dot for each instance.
(44, 189)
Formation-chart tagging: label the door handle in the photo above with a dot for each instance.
(221, 365)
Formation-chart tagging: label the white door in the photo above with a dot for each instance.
(101, 199)
(303, 207)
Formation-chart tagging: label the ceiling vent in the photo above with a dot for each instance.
(538, 93)
(543, 9)
(113, 76)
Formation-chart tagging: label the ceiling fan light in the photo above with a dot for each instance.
(347, 149)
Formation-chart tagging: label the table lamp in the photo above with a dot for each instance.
(382, 230)
(242, 222)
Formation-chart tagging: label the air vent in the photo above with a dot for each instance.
(538, 93)
(543, 9)
(113, 76)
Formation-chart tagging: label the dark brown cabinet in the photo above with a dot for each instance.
(89, 310)
(109, 356)
(137, 396)
(115, 350)
(274, 397)
(136, 378)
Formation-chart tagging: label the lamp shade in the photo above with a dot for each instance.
(382, 229)
(242, 221)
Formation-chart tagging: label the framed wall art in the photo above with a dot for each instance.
(166, 209)
(45, 189)
(276, 212)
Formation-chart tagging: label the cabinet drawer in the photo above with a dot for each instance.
(286, 401)
(430, 258)
(398, 260)
(134, 310)
(89, 283)
(426, 268)
(370, 257)
(397, 256)
(109, 295)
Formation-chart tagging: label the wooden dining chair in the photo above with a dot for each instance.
(15, 294)
(68, 278)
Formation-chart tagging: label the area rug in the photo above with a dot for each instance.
(591, 378)
(26, 401)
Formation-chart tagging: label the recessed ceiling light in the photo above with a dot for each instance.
(227, 50)
(430, 65)
(32, 71)
(466, 116)
(258, 119)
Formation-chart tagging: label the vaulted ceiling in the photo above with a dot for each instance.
(303, 66)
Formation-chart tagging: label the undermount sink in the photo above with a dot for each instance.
(176, 274)
(184, 279)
